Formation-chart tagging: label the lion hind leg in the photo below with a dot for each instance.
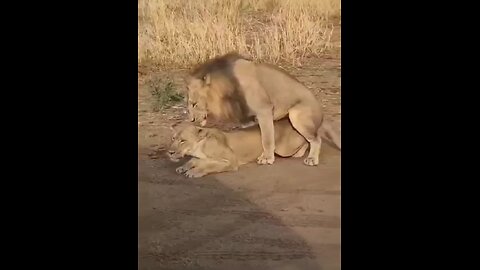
(307, 121)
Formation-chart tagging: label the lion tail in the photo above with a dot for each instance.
(327, 132)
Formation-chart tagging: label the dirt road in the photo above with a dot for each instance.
(282, 216)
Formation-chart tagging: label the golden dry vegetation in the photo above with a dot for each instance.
(179, 33)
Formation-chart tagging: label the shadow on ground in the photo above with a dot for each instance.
(257, 218)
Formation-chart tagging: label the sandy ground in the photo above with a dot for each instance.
(282, 216)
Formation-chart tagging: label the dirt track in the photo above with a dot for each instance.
(283, 216)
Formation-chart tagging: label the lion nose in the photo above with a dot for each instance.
(171, 152)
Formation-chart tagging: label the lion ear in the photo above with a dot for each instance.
(207, 79)
(201, 132)
(174, 127)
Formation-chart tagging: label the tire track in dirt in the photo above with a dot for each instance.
(241, 256)
(288, 220)
(272, 242)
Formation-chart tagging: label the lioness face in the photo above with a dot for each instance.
(184, 143)
(197, 101)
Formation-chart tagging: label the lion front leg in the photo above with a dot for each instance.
(187, 166)
(208, 166)
(265, 121)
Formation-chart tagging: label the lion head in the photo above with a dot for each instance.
(213, 91)
(185, 141)
(214, 96)
(197, 101)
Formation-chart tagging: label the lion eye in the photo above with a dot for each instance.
(182, 141)
(194, 105)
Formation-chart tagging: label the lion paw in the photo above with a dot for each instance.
(310, 161)
(265, 160)
(193, 174)
(181, 169)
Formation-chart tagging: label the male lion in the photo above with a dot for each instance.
(231, 87)
(213, 150)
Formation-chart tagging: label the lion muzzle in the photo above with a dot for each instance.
(171, 156)
(203, 122)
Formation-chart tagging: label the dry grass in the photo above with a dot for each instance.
(183, 32)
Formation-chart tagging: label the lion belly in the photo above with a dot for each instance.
(287, 140)
(247, 143)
